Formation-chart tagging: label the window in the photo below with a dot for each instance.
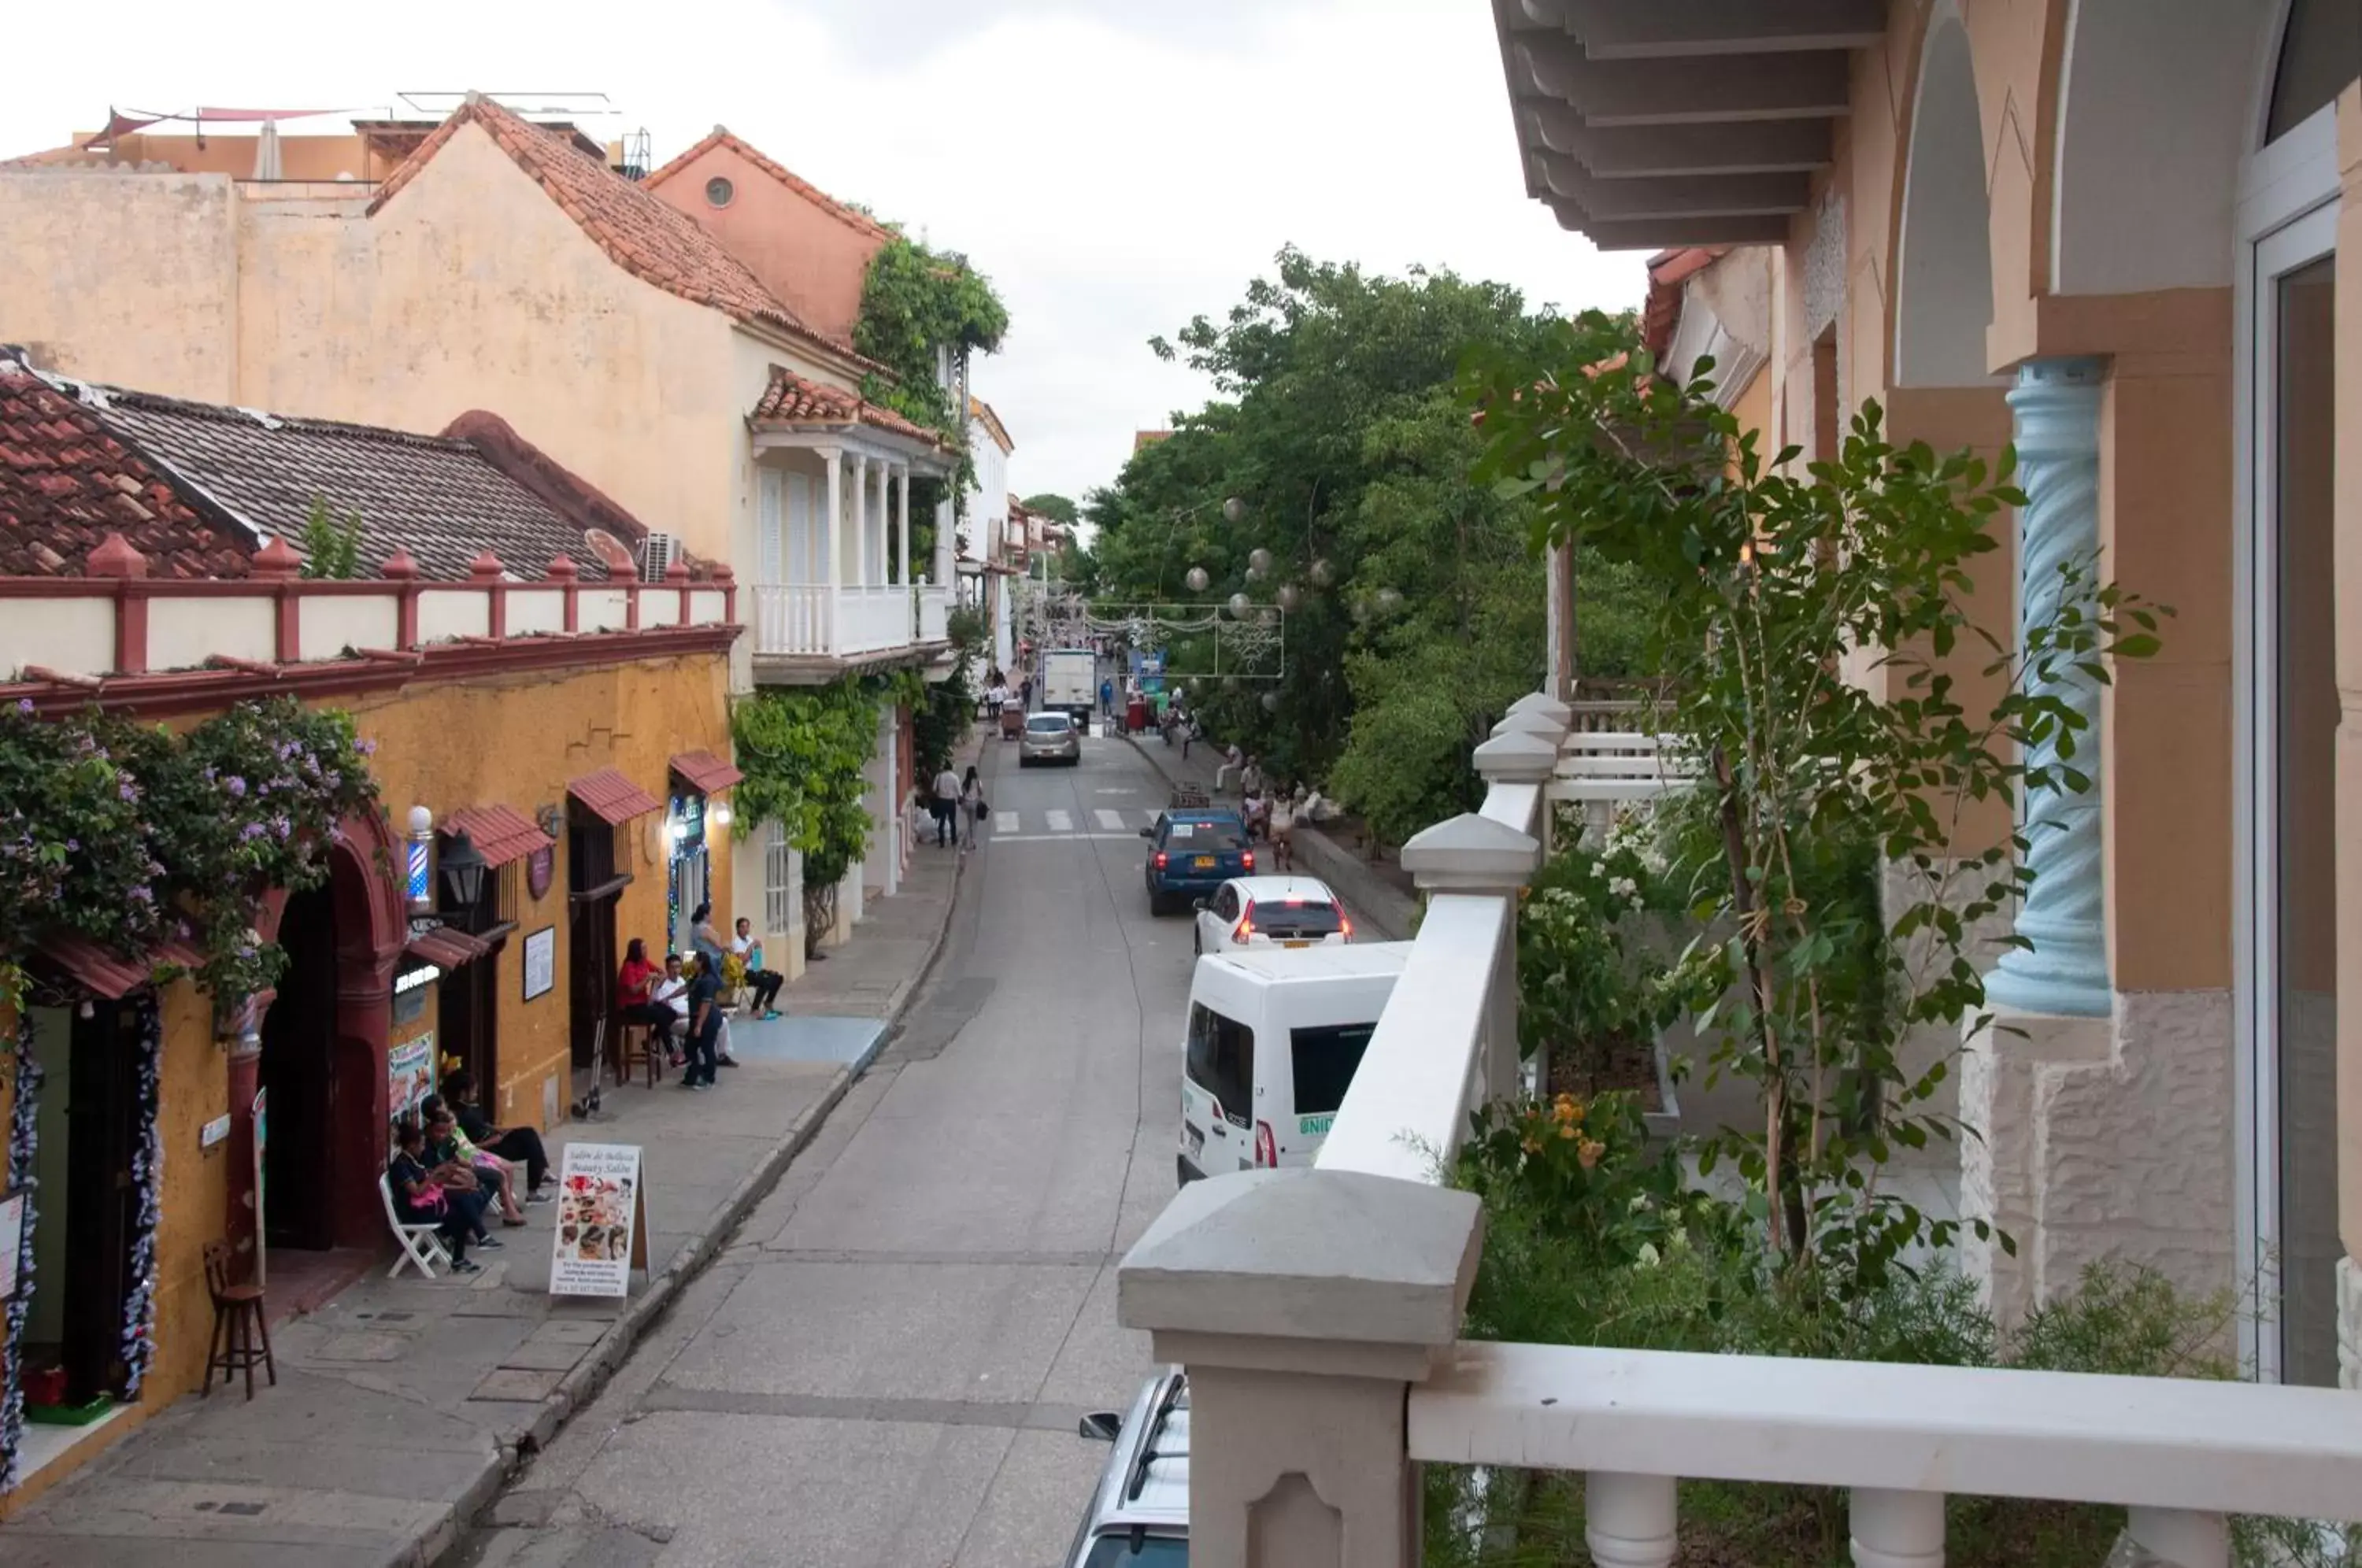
(2320, 54)
(1325, 1060)
(779, 904)
(1226, 903)
(1282, 919)
(1203, 834)
(1049, 724)
(1148, 1551)
(718, 190)
(1221, 1061)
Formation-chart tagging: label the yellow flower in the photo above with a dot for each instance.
(1588, 1154)
(1566, 1131)
(1532, 1147)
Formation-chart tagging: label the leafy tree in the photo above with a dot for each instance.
(802, 751)
(332, 547)
(1056, 507)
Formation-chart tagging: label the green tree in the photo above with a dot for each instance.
(1056, 507)
(331, 547)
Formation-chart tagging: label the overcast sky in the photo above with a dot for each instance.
(1114, 166)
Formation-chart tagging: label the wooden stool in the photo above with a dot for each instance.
(635, 1047)
(238, 1319)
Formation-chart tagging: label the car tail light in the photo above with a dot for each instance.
(1160, 860)
(1266, 1147)
(1247, 860)
(1245, 929)
(1345, 925)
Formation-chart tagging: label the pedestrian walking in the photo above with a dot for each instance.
(1107, 699)
(947, 795)
(1281, 826)
(1025, 691)
(1250, 777)
(971, 804)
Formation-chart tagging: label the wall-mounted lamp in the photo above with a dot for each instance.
(463, 870)
(676, 829)
(721, 812)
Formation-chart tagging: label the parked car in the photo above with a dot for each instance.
(1193, 850)
(1272, 912)
(1139, 1515)
(1049, 738)
(1273, 1041)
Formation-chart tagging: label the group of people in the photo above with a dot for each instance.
(1271, 810)
(954, 799)
(452, 1166)
(998, 695)
(683, 1001)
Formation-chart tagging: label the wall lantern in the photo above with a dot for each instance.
(676, 829)
(463, 871)
(721, 812)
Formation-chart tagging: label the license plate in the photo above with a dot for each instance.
(1295, 945)
(1204, 863)
(1197, 1140)
(1316, 1126)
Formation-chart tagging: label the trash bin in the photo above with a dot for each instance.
(1135, 714)
(1012, 720)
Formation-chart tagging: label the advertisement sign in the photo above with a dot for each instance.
(602, 1231)
(540, 962)
(410, 1074)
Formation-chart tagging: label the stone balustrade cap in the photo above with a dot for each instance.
(1530, 722)
(1517, 757)
(1542, 702)
(1472, 853)
(1306, 1255)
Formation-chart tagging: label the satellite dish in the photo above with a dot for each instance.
(612, 553)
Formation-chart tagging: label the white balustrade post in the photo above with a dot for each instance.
(1896, 1529)
(1475, 854)
(885, 511)
(2056, 425)
(1629, 1521)
(902, 524)
(1303, 1303)
(2182, 1537)
(860, 519)
(945, 545)
(832, 565)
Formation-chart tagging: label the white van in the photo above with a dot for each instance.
(1275, 1035)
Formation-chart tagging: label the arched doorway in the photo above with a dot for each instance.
(1943, 247)
(298, 1076)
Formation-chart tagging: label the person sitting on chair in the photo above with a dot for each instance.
(764, 982)
(636, 985)
(672, 993)
(420, 1200)
(450, 1148)
(518, 1145)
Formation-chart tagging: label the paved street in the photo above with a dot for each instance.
(887, 1363)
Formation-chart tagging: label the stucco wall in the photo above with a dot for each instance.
(808, 255)
(128, 278)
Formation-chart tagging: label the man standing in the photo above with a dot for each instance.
(1107, 699)
(947, 797)
(704, 1027)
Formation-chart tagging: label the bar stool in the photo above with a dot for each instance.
(635, 1047)
(238, 1319)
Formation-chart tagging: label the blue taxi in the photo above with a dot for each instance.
(1193, 850)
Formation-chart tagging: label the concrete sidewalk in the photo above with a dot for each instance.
(1384, 908)
(403, 1405)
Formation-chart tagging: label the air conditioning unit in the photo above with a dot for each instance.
(656, 556)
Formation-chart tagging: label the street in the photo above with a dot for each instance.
(887, 1363)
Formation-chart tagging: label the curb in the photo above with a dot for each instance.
(591, 1374)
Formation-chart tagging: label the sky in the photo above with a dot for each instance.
(1115, 167)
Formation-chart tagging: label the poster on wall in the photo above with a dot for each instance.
(12, 1241)
(602, 1231)
(540, 962)
(410, 1074)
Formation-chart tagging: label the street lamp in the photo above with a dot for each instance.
(463, 870)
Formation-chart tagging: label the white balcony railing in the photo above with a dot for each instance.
(809, 619)
(1319, 1314)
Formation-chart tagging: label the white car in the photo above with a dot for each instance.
(1272, 912)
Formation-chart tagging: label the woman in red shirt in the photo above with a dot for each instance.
(633, 984)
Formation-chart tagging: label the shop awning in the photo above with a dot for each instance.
(445, 946)
(612, 797)
(704, 772)
(104, 973)
(501, 834)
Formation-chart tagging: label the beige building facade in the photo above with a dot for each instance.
(2108, 231)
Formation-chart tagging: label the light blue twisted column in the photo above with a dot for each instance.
(2055, 410)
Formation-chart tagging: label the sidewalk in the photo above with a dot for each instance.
(1384, 908)
(402, 1405)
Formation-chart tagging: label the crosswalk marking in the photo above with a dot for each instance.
(1004, 822)
(1111, 820)
(1059, 821)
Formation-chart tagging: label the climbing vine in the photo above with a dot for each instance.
(802, 751)
(915, 302)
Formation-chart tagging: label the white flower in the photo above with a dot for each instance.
(1624, 888)
(1649, 1255)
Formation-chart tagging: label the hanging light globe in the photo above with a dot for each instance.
(1229, 683)
(1360, 610)
(1241, 604)
(1271, 702)
(1288, 597)
(1259, 560)
(1234, 509)
(1197, 580)
(1320, 572)
(1254, 574)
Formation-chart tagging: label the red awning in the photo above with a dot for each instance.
(704, 772)
(501, 834)
(445, 946)
(103, 972)
(611, 797)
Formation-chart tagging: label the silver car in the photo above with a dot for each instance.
(1049, 738)
(1139, 1515)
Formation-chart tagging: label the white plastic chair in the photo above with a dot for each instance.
(420, 1244)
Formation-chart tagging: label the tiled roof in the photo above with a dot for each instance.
(105, 973)
(439, 499)
(67, 482)
(501, 834)
(640, 232)
(979, 409)
(614, 799)
(704, 772)
(792, 401)
(851, 217)
(445, 946)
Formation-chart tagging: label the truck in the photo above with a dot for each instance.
(1070, 684)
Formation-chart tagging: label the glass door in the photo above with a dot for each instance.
(2292, 1174)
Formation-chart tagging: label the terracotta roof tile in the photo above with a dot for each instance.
(704, 772)
(614, 799)
(501, 834)
(851, 217)
(640, 232)
(67, 482)
(445, 946)
(793, 403)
